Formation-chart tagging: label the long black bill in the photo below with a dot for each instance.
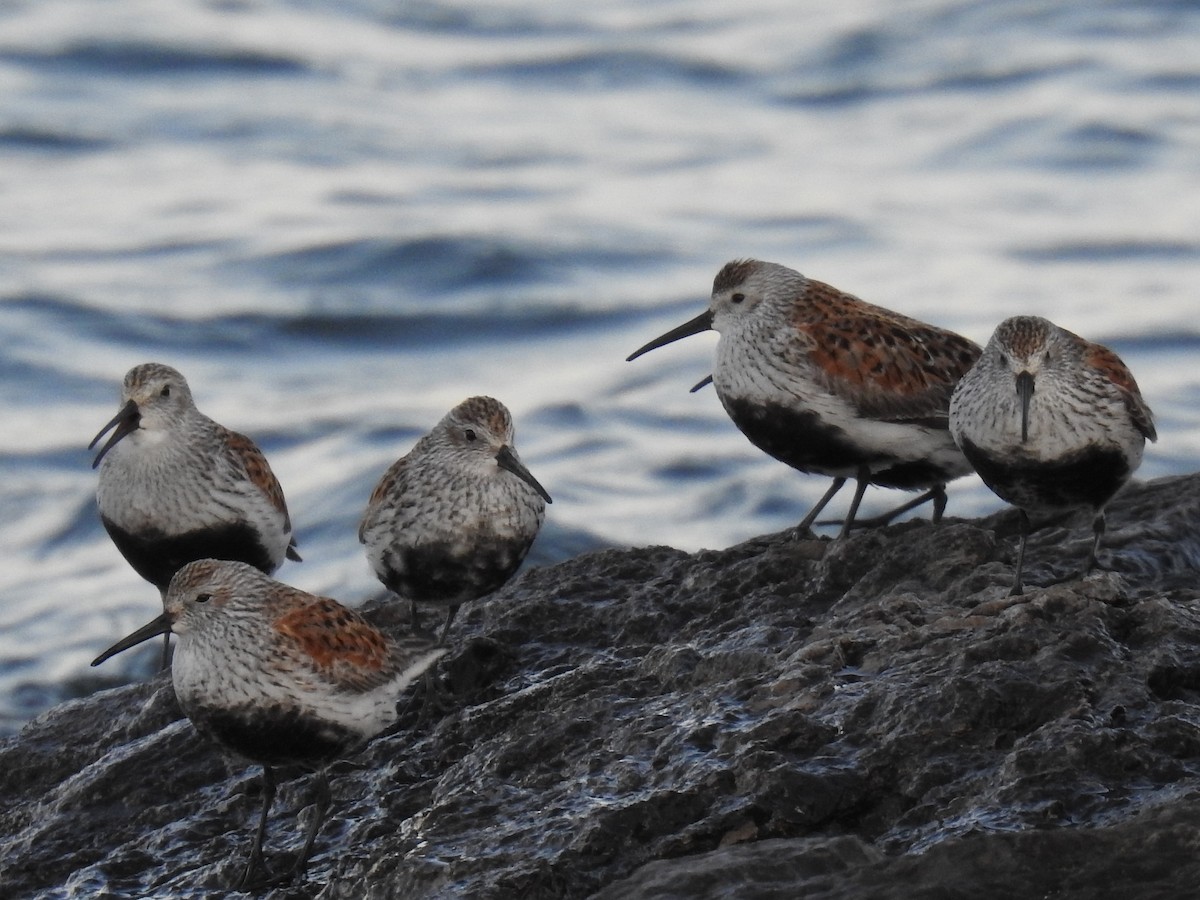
(703, 382)
(158, 626)
(702, 322)
(508, 461)
(125, 421)
(1024, 391)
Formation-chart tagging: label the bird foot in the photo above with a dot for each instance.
(254, 880)
(262, 880)
(804, 533)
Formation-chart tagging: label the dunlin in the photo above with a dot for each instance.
(1051, 422)
(830, 384)
(279, 676)
(452, 521)
(175, 486)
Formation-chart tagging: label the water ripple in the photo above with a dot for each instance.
(609, 69)
(1108, 251)
(45, 140)
(444, 263)
(139, 58)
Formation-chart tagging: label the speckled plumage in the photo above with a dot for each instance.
(175, 486)
(452, 520)
(832, 385)
(1052, 422)
(279, 676)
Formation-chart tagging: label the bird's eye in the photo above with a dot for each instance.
(470, 434)
(165, 392)
(737, 298)
(203, 598)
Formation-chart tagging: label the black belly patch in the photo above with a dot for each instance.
(807, 443)
(274, 736)
(1088, 477)
(438, 573)
(158, 557)
(910, 476)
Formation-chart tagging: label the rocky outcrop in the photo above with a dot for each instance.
(872, 717)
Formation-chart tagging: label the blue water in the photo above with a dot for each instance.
(340, 220)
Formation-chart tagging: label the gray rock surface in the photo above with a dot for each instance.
(785, 718)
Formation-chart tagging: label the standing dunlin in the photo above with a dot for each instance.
(175, 486)
(832, 385)
(1051, 422)
(452, 521)
(279, 676)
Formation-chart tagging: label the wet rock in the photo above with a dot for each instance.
(867, 718)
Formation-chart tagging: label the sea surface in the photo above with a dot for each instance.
(339, 220)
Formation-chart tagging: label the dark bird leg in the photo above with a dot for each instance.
(806, 523)
(939, 503)
(322, 797)
(450, 611)
(427, 687)
(1016, 585)
(860, 488)
(936, 494)
(1098, 528)
(166, 654)
(433, 697)
(255, 861)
